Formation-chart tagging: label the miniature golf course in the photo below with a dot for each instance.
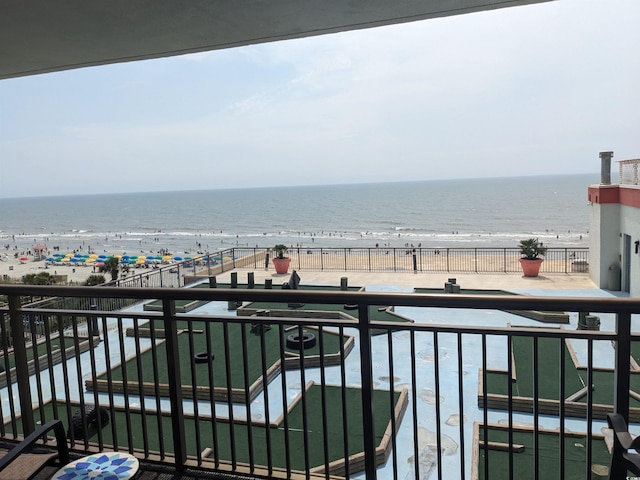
(575, 382)
(217, 434)
(40, 351)
(575, 454)
(231, 341)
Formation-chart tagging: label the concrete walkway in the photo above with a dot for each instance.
(504, 281)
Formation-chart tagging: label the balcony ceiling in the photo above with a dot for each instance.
(39, 36)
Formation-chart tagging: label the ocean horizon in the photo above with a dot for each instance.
(486, 212)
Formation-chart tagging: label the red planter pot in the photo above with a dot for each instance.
(281, 264)
(531, 268)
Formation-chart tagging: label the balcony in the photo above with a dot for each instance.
(396, 385)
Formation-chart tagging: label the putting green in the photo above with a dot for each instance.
(575, 453)
(575, 382)
(220, 432)
(230, 359)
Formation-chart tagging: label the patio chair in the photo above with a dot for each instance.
(26, 459)
(622, 459)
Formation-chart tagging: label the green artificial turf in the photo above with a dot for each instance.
(549, 374)
(575, 456)
(258, 432)
(234, 356)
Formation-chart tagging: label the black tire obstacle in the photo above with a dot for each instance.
(297, 342)
(96, 417)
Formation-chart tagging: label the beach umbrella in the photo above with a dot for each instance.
(140, 261)
(76, 259)
(58, 255)
(69, 255)
(166, 257)
(142, 257)
(102, 256)
(177, 259)
(90, 260)
(135, 257)
(132, 261)
(24, 259)
(188, 258)
(100, 264)
(50, 259)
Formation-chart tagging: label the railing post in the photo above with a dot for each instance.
(22, 369)
(366, 372)
(175, 382)
(504, 259)
(621, 380)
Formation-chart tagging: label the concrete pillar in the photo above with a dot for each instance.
(605, 168)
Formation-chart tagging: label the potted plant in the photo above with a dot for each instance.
(531, 250)
(280, 262)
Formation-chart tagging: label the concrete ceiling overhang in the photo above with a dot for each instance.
(39, 36)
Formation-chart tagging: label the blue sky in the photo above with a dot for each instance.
(532, 90)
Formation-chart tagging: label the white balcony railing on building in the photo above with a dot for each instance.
(629, 171)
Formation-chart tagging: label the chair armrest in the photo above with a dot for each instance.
(29, 440)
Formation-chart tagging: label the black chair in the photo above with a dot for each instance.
(622, 459)
(23, 461)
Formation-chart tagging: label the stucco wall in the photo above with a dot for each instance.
(630, 225)
(604, 241)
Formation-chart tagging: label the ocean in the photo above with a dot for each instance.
(490, 212)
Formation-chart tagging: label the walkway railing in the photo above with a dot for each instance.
(396, 399)
(452, 260)
(410, 259)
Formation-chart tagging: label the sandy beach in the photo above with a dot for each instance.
(14, 269)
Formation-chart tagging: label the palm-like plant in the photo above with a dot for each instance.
(280, 250)
(532, 248)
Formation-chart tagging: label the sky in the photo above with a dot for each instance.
(533, 90)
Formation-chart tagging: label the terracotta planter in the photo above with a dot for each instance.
(281, 264)
(531, 268)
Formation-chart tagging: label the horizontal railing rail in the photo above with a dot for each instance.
(376, 394)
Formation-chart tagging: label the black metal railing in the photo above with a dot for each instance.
(418, 259)
(389, 396)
